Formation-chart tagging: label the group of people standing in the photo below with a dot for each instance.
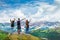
(19, 25)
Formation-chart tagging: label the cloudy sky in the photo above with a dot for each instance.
(36, 10)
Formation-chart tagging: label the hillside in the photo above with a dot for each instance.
(22, 37)
(50, 34)
(3, 35)
(15, 36)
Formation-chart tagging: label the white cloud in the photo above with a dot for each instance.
(6, 15)
(43, 12)
(17, 13)
(58, 1)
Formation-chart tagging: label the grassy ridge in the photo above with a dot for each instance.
(23, 37)
(4, 36)
(50, 34)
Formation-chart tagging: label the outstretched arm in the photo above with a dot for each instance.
(23, 19)
(30, 21)
(10, 20)
(14, 19)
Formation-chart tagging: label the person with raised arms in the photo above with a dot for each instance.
(19, 25)
(12, 25)
(27, 25)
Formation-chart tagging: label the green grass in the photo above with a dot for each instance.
(22, 37)
(51, 34)
(3, 35)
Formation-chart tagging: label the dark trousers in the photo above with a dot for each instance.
(19, 29)
(27, 29)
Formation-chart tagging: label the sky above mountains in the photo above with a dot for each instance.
(36, 10)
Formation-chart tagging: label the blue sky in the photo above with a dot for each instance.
(18, 3)
(38, 10)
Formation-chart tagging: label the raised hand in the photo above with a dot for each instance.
(23, 19)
